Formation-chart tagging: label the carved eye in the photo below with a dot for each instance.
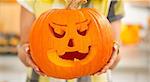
(83, 33)
(82, 27)
(59, 33)
(82, 30)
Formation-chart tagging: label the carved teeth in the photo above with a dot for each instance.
(61, 53)
(75, 59)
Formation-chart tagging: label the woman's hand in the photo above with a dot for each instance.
(27, 19)
(113, 60)
(25, 57)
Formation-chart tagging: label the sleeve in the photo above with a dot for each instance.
(116, 11)
(28, 4)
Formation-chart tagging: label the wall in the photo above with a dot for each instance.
(135, 14)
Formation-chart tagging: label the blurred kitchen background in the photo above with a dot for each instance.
(135, 48)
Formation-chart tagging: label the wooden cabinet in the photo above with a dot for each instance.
(7, 1)
(9, 17)
(9, 25)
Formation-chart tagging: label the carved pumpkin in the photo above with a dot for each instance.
(69, 43)
(130, 34)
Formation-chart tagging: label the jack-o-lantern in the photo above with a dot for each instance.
(68, 43)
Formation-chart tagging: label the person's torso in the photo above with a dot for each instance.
(40, 6)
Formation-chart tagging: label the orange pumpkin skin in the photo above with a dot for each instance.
(69, 43)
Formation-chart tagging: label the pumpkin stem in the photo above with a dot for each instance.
(74, 4)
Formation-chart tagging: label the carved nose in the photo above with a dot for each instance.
(70, 43)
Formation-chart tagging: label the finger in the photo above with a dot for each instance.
(26, 48)
(112, 60)
(116, 62)
(99, 73)
(107, 66)
(28, 57)
(40, 73)
(114, 57)
(110, 63)
(31, 63)
(30, 60)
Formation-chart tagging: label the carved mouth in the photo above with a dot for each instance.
(75, 56)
